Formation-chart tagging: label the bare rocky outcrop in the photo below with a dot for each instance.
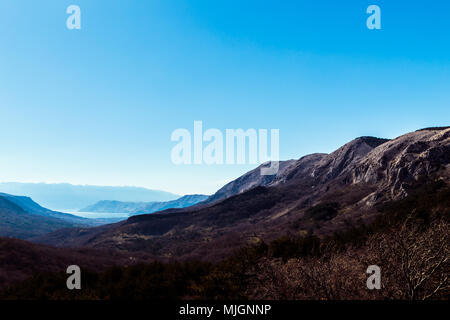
(396, 164)
(250, 180)
(320, 166)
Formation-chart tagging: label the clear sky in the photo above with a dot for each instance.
(98, 105)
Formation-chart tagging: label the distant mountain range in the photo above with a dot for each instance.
(67, 197)
(21, 217)
(135, 208)
(319, 194)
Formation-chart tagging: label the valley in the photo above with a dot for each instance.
(320, 212)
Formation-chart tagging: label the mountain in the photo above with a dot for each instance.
(28, 205)
(319, 194)
(67, 197)
(133, 208)
(18, 223)
(113, 206)
(183, 202)
(21, 217)
(250, 180)
(306, 166)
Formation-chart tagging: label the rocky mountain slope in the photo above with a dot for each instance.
(250, 180)
(310, 165)
(317, 194)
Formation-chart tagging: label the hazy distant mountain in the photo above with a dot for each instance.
(132, 208)
(21, 217)
(73, 197)
(318, 194)
(113, 206)
(183, 202)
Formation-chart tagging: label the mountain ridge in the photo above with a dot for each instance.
(132, 208)
(18, 223)
(65, 196)
(318, 194)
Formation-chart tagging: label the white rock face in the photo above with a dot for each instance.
(401, 161)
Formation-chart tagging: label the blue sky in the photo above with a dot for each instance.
(98, 105)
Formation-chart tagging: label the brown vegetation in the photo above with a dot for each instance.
(408, 241)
